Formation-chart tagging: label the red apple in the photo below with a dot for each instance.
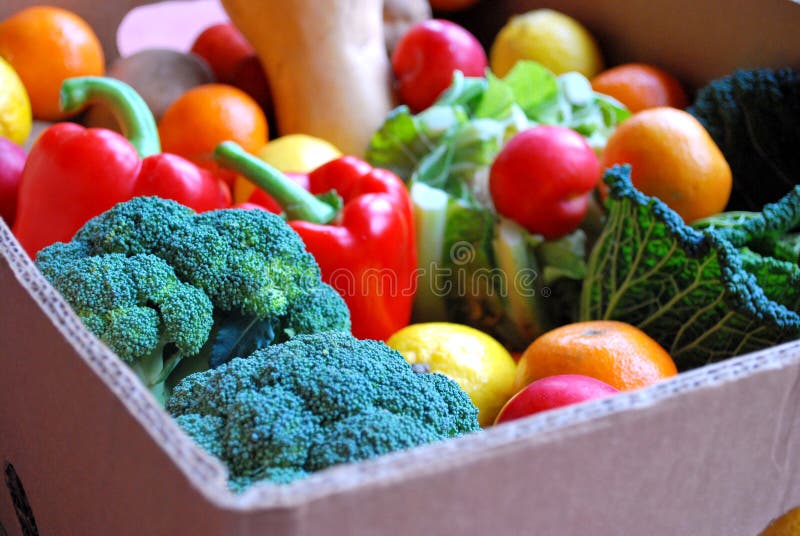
(425, 57)
(553, 392)
(12, 160)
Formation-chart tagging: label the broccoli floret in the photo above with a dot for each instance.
(706, 292)
(752, 116)
(245, 261)
(208, 286)
(136, 305)
(315, 401)
(322, 309)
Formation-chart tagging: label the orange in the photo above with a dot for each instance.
(205, 116)
(639, 86)
(673, 158)
(617, 353)
(47, 45)
(786, 525)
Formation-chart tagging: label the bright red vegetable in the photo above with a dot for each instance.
(12, 160)
(365, 245)
(73, 174)
(425, 57)
(173, 177)
(542, 179)
(553, 392)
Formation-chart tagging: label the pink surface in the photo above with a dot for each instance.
(172, 25)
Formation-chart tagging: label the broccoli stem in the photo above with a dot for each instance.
(297, 202)
(129, 108)
(154, 370)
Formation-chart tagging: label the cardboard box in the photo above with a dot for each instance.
(85, 450)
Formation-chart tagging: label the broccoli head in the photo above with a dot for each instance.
(752, 116)
(315, 401)
(136, 305)
(158, 283)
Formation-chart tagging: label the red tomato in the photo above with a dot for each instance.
(542, 179)
(222, 45)
(553, 392)
(425, 57)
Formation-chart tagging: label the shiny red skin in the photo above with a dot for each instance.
(425, 57)
(542, 179)
(368, 254)
(553, 392)
(12, 160)
(170, 176)
(222, 45)
(71, 175)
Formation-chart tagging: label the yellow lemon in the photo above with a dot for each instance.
(477, 362)
(549, 37)
(15, 106)
(299, 153)
(786, 525)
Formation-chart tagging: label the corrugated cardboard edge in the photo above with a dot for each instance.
(208, 476)
(198, 466)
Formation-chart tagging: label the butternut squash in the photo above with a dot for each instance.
(327, 65)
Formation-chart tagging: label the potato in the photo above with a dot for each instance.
(159, 75)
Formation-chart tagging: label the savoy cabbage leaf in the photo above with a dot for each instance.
(704, 292)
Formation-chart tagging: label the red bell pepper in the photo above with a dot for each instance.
(365, 243)
(73, 174)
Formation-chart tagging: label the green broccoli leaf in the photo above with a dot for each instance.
(239, 335)
(698, 292)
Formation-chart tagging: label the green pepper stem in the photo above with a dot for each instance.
(128, 107)
(297, 202)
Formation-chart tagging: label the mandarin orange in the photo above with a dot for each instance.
(613, 352)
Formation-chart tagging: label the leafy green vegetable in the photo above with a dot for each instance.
(752, 116)
(706, 292)
(173, 292)
(478, 267)
(315, 401)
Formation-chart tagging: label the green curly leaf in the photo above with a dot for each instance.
(701, 293)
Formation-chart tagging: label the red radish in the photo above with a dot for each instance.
(12, 160)
(542, 179)
(553, 392)
(425, 57)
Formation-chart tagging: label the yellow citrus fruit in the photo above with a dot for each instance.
(557, 41)
(476, 361)
(786, 525)
(298, 153)
(15, 106)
